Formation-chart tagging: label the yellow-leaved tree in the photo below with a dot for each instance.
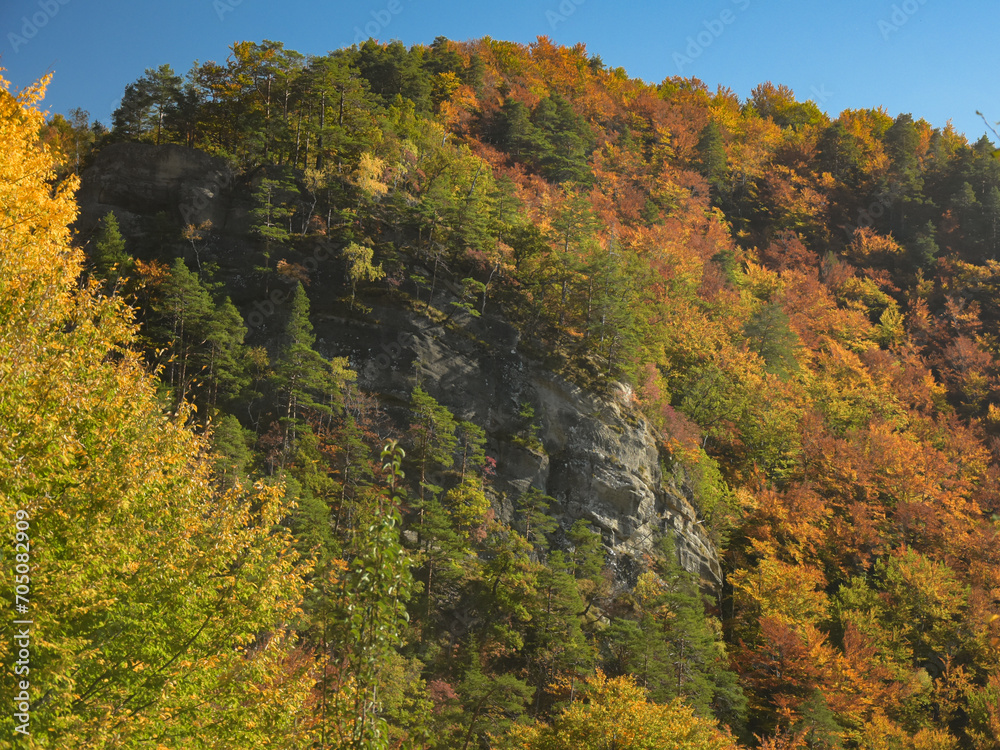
(614, 713)
(158, 604)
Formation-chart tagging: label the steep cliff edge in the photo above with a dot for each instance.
(595, 455)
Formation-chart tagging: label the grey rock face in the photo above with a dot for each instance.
(598, 456)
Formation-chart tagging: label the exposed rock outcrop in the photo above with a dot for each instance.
(138, 179)
(598, 457)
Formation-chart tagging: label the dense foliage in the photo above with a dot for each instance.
(150, 593)
(804, 308)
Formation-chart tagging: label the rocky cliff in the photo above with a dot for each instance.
(594, 454)
(137, 179)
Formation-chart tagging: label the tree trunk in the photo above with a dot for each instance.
(322, 124)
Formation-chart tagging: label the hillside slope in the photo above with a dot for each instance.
(575, 295)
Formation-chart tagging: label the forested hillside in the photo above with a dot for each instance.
(801, 309)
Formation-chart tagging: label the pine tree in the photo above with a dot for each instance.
(991, 221)
(513, 130)
(272, 215)
(164, 87)
(771, 337)
(204, 340)
(229, 443)
(535, 521)
(184, 309)
(148, 104)
(712, 159)
(556, 648)
(226, 365)
(316, 492)
(573, 226)
(346, 125)
(433, 438)
(305, 381)
(924, 248)
(562, 141)
(586, 563)
(110, 260)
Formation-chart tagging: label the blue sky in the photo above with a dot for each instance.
(934, 59)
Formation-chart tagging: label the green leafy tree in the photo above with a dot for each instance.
(513, 130)
(506, 587)
(902, 142)
(369, 621)
(486, 704)
(346, 110)
(130, 119)
(184, 308)
(432, 436)
(991, 220)
(272, 215)
(204, 339)
(312, 484)
(557, 650)
(224, 363)
(573, 227)
(840, 154)
(586, 563)
(164, 87)
(391, 70)
(924, 248)
(232, 454)
(535, 522)
(563, 141)
(612, 323)
(155, 591)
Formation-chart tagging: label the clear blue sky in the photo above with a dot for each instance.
(934, 59)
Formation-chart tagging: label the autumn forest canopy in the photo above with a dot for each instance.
(236, 542)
